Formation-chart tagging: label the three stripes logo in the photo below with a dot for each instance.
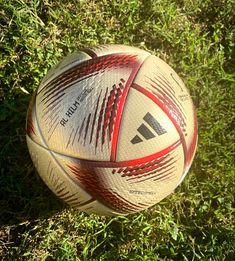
(148, 131)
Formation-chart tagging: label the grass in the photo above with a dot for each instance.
(197, 39)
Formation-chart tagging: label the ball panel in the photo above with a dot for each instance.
(55, 177)
(161, 81)
(145, 129)
(77, 115)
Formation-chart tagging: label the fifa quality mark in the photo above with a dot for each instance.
(72, 108)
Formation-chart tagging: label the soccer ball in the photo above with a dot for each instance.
(112, 130)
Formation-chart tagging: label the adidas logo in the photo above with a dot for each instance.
(146, 132)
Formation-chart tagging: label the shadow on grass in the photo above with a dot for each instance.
(23, 195)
